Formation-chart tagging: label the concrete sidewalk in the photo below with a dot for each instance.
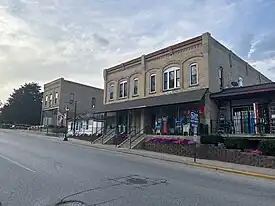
(203, 163)
(210, 164)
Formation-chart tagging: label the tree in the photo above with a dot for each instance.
(24, 105)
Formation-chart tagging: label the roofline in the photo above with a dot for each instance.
(72, 82)
(158, 52)
(85, 85)
(239, 90)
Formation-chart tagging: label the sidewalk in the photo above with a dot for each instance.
(202, 163)
(209, 164)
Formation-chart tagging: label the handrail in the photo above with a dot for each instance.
(137, 135)
(107, 134)
(99, 130)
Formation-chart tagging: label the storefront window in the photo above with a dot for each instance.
(174, 120)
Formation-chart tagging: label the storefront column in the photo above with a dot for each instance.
(142, 122)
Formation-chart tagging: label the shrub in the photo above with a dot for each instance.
(212, 139)
(267, 147)
(241, 143)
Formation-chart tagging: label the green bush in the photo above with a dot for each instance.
(267, 147)
(241, 143)
(212, 139)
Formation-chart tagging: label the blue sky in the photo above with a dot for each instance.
(41, 40)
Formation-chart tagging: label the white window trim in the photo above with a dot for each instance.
(135, 80)
(150, 83)
(175, 69)
(190, 74)
(123, 83)
(111, 86)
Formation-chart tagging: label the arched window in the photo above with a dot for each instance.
(111, 91)
(123, 91)
(135, 87)
(152, 82)
(193, 71)
(171, 78)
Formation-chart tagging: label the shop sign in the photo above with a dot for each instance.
(194, 118)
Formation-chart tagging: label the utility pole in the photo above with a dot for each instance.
(75, 107)
(66, 132)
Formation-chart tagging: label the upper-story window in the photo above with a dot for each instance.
(123, 92)
(71, 98)
(93, 102)
(111, 92)
(193, 74)
(220, 77)
(240, 81)
(135, 87)
(152, 83)
(56, 98)
(171, 78)
(46, 100)
(51, 99)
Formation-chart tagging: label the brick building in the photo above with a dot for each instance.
(163, 91)
(61, 94)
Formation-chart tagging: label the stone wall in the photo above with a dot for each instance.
(212, 152)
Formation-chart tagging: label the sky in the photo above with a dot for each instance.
(42, 40)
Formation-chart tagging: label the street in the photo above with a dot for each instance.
(38, 171)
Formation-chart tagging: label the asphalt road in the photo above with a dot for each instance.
(38, 171)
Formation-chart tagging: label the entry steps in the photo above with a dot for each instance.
(105, 138)
(134, 142)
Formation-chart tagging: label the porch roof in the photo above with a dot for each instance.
(176, 98)
(244, 91)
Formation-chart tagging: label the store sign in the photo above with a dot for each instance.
(194, 118)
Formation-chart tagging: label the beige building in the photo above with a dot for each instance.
(163, 91)
(61, 94)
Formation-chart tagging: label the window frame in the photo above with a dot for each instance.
(51, 99)
(93, 102)
(191, 74)
(124, 93)
(71, 97)
(46, 100)
(166, 81)
(56, 97)
(137, 87)
(150, 83)
(111, 86)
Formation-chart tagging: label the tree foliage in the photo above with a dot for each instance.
(24, 105)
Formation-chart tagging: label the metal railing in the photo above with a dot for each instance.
(241, 125)
(138, 134)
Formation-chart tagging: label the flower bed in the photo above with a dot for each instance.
(170, 140)
(188, 148)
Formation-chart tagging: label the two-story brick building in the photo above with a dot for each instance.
(168, 91)
(61, 94)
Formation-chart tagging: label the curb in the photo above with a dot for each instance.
(198, 165)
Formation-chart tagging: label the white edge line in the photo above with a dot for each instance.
(18, 164)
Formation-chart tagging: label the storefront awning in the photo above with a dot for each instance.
(244, 91)
(176, 98)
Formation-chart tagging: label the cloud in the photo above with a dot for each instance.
(41, 40)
